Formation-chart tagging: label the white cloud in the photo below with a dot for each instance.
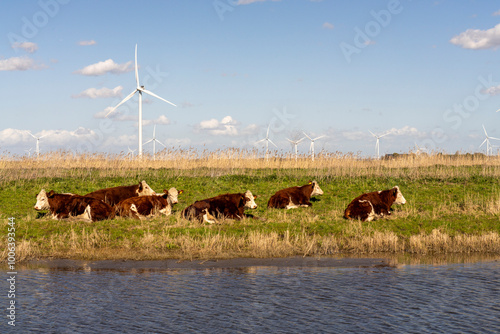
(227, 126)
(107, 66)
(87, 43)
(327, 25)
(94, 93)
(407, 131)
(29, 47)
(492, 90)
(478, 39)
(497, 13)
(19, 64)
(162, 120)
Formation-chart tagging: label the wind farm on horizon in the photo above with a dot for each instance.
(139, 152)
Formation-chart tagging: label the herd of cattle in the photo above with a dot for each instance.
(139, 201)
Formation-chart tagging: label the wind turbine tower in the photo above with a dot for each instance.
(377, 144)
(154, 140)
(267, 142)
(311, 148)
(141, 90)
(295, 143)
(37, 149)
(489, 147)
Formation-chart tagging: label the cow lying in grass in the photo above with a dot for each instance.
(223, 206)
(374, 205)
(148, 206)
(295, 197)
(115, 195)
(63, 206)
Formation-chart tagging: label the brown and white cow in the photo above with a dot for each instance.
(142, 207)
(115, 195)
(223, 206)
(63, 206)
(374, 205)
(295, 197)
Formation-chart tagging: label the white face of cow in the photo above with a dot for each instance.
(172, 195)
(399, 197)
(146, 190)
(42, 201)
(316, 189)
(250, 203)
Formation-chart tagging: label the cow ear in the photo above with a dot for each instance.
(254, 196)
(51, 194)
(395, 192)
(165, 191)
(310, 182)
(140, 185)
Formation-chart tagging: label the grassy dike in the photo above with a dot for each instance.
(451, 208)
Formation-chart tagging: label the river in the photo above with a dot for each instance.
(297, 295)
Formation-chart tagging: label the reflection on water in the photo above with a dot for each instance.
(449, 298)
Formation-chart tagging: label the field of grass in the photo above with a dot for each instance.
(453, 206)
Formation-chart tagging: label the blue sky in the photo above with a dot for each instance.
(428, 71)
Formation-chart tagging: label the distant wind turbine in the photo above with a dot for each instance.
(141, 90)
(154, 140)
(489, 148)
(311, 148)
(295, 143)
(131, 152)
(267, 142)
(377, 144)
(37, 149)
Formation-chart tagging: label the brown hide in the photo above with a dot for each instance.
(65, 205)
(227, 205)
(297, 195)
(361, 206)
(115, 195)
(145, 206)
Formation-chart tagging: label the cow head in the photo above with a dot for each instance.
(399, 199)
(250, 200)
(42, 200)
(316, 189)
(145, 190)
(172, 194)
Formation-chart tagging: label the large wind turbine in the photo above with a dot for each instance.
(154, 140)
(377, 144)
(311, 148)
(489, 148)
(267, 142)
(141, 90)
(295, 143)
(37, 150)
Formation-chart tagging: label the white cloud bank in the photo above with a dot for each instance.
(477, 39)
(19, 64)
(107, 66)
(226, 127)
(87, 43)
(29, 47)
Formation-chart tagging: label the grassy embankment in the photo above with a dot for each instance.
(453, 206)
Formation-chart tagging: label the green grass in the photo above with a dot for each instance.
(463, 201)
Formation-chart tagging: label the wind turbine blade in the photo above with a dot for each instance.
(385, 134)
(372, 133)
(260, 141)
(273, 143)
(485, 131)
(154, 131)
(319, 137)
(483, 142)
(123, 101)
(494, 138)
(31, 134)
(307, 135)
(136, 69)
(291, 141)
(149, 141)
(267, 133)
(301, 139)
(153, 94)
(159, 142)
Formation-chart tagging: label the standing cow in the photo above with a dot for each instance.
(295, 197)
(374, 205)
(115, 195)
(223, 206)
(63, 206)
(148, 206)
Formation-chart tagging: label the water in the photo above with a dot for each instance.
(452, 298)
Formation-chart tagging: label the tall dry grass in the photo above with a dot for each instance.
(238, 161)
